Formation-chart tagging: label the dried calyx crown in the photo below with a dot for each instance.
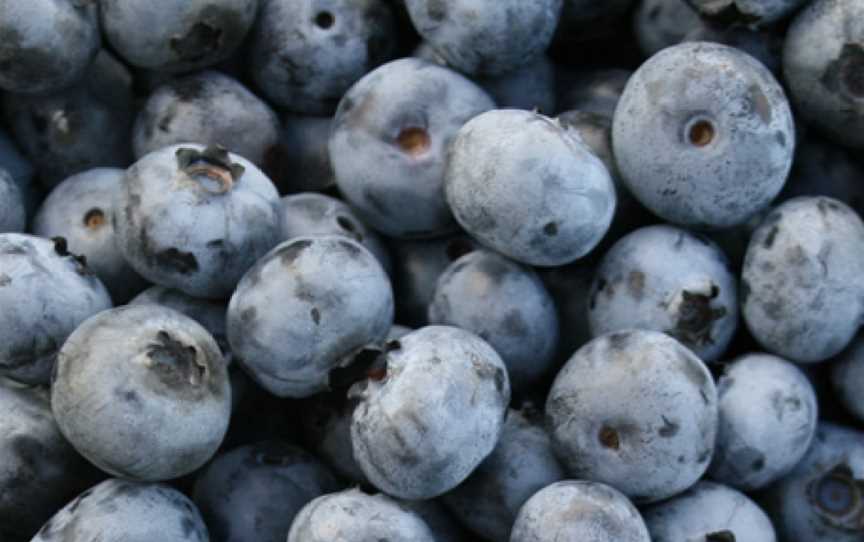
(212, 166)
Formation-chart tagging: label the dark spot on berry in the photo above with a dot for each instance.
(772, 235)
(845, 75)
(316, 315)
(551, 229)
(289, 253)
(324, 20)
(201, 41)
(669, 429)
(720, 536)
(696, 317)
(609, 438)
(636, 284)
(177, 260)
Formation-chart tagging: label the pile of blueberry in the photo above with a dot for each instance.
(431, 270)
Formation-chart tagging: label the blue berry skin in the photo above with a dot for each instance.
(326, 426)
(667, 279)
(592, 91)
(21, 171)
(390, 141)
(142, 392)
(506, 304)
(595, 131)
(13, 215)
(768, 414)
(195, 218)
(825, 169)
(709, 511)
(40, 471)
(748, 12)
(435, 413)
(820, 501)
(304, 309)
(823, 58)
(47, 44)
(354, 516)
(802, 284)
(521, 184)
(532, 86)
(569, 287)
(300, 159)
(847, 377)
(508, 35)
(663, 23)
(65, 132)
(207, 312)
(252, 493)
(656, 436)
(129, 511)
(721, 133)
(176, 35)
(579, 510)
(208, 108)
(763, 45)
(521, 464)
(80, 209)
(305, 54)
(45, 292)
(416, 268)
(311, 213)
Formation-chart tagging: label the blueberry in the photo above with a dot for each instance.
(636, 410)
(45, 292)
(79, 128)
(176, 35)
(748, 12)
(47, 44)
(80, 209)
(721, 146)
(13, 216)
(593, 91)
(252, 493)
(390, 140)
(208, 108)
(710, 512)
(306, 53)
(579, 510)
(416, 268)
(662, 23)
(821, 500)
(142, 392)
(670, 280)
(310, 305)
(310, 213)
(128, 511)
(823, 60)
(207, 312)
(801, 284)
(300, 159)
(847, 377)
(431, 413)
(768, 414)
(195, 218)
(825, 169)
(556, 218)
(506, 304)
(354, 516)
(521, 464)
(41, 472)
(486, 37)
